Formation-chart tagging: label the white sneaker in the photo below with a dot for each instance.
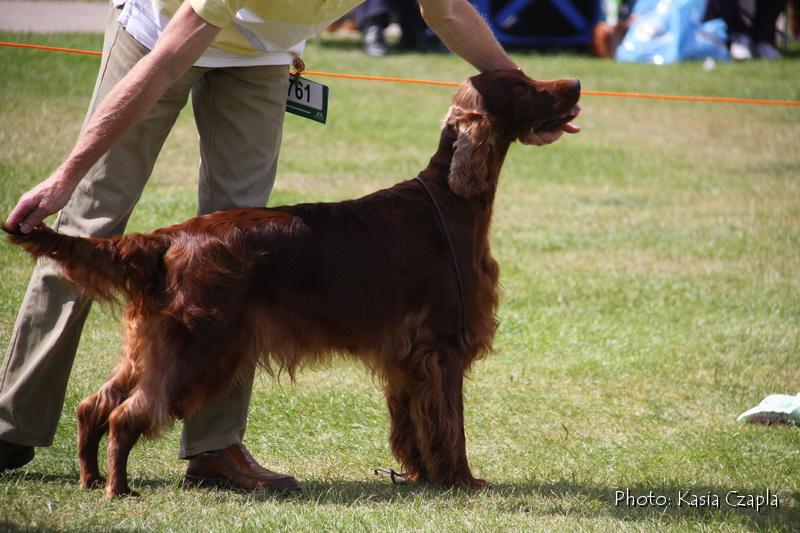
(740, 47)
(765, 50)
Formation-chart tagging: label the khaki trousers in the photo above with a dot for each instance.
(239, 114)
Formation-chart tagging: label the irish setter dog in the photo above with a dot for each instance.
(372, 278)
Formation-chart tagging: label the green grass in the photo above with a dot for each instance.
(651, 294)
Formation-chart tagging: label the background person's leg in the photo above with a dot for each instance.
(239, 113)
(730, 12)
(738, 35)
(767, 12)
(372, 18)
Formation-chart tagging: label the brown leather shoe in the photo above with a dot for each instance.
(234, 468)
(14, 455)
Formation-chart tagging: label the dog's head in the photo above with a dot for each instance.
(495, 108)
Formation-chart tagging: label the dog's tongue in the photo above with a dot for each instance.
(552, 125)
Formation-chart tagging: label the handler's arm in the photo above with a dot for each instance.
(464, 31)
(183, 41)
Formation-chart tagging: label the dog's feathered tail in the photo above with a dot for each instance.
(128, 266)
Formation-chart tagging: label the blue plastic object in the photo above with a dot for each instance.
(668, 31)
(541, 22)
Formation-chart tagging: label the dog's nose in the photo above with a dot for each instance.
(576, 85)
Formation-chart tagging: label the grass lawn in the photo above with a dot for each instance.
(651, 294)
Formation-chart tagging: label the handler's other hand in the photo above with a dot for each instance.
(547, 137)
(43, 200)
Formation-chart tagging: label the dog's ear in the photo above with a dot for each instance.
(469, 166)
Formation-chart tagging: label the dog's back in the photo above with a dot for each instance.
(322, 277)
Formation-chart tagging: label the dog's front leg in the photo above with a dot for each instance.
(436, 408)
(402, 436)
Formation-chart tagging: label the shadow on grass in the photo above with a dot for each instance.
(10, 527)
(562, 498)
(30, 476)
(37, 477)
(567, 498)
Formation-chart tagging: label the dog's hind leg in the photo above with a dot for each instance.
(437, 411)
(151, 346)
(92, 414)
(127, 423)
(180, 370)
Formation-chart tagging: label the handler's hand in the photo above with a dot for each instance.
(547, 137)
(43, 200)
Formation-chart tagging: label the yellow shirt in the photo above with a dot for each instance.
(254, 32)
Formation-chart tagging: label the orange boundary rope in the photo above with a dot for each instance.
(715, 99)
(648, 96)
(381, 78)
(50, 48)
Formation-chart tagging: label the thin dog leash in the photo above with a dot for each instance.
(399, 478)
(452, 256)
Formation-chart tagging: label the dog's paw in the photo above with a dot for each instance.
(472, 483)
(479, 484)
(93, 482)
(123, 492)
